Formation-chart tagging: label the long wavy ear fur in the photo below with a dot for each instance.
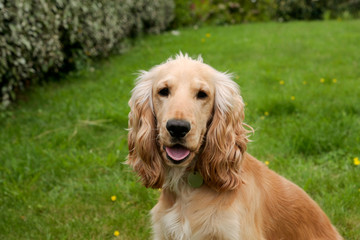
(220, 160)
(144, 155)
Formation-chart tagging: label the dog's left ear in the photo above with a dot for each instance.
(220, 160)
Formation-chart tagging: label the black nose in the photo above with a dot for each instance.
(178, 128)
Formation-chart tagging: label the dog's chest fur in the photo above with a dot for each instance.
(194, 215)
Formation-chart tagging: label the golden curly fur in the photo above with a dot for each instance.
(240, 197)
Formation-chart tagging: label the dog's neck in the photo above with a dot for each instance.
(176, 177)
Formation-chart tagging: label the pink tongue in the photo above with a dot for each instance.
(177, 153)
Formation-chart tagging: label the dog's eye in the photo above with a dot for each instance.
(201, 95)
(164, 92)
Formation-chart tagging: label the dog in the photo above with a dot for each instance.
(187, 137)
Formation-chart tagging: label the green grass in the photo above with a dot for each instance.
(63, 145)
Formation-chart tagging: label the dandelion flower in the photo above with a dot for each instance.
(282, 82)
(113, 198)
(262, 117)
(266, 113)
(292, 98)
(334, 80)
(304, 82)
(356, 161)
(116, 233)
(322, 80)
(208, 35)
(267, 163)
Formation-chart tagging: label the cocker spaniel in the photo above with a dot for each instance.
(187, 137)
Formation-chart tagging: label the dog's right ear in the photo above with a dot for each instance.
(144, 155)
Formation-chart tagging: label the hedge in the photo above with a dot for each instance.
(316, 10)
(221, 12)
(40, 37)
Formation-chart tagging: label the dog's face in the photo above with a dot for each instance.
(183, 102)
(181, 110)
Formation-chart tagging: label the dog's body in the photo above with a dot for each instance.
(265, 206)
(187, 117)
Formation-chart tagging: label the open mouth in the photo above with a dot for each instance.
(177, 153)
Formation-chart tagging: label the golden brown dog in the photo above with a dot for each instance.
(187, 136)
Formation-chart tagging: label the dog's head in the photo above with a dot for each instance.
(185, 112)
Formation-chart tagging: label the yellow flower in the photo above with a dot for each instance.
(356, 161)
(267, 163)
(293, 98)
(266, 113)
(113, 198)
(304, 82)
(282, 82)
(203, 40)
(322, 80)
(262, 117)
(116, 233)
(208, 35)
(334, 80)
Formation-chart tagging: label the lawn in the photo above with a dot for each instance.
(64, 143)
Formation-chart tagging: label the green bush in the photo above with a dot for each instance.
(315, 10)
(221, 12)
(29, 44)
(40, 37)
(298, 9)
(242, 11)
(183, 16)
(343, 8)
